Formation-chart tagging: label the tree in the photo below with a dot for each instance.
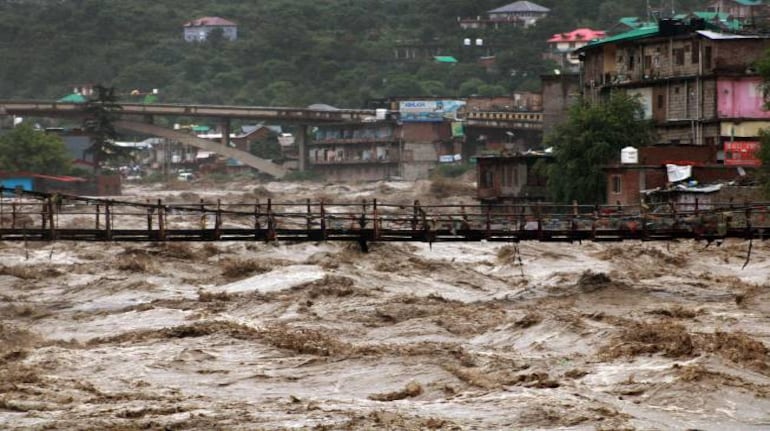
(591, 138)
(26, 149)
(100, 114)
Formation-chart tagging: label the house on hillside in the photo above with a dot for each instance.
(744, 10)
(562, 46)
(520, 13)
(199, 29)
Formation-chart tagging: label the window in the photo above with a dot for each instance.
(695, 52)
(707, 57)
(660, 101)
(616, 184)
(647, 61)
(487, 179)
(679, 56)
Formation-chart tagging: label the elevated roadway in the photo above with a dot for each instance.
(244, 157)
(306, 116)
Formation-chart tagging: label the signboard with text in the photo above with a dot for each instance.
(742, 153)
(429, 110)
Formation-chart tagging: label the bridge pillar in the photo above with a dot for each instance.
(302, 148)
(225, 126)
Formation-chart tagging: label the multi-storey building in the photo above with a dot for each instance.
(698, 86)
(362, 151)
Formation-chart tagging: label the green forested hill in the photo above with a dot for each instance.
(289, 52)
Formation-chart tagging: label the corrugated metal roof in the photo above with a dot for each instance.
(713, 35)
(749, 2)
(520, 6)
(637, 33)
(580, 34)
(445, 59)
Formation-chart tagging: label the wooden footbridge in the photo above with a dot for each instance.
(32, 216)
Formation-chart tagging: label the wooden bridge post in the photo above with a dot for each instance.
(573, 222)
(107, 221)
(218, 220)
(161, 221)
(595, 221)
(149, 219)
(98, 215)
(488, 221)
(51, 219)
(309, 219)
(416, 209)
(375, 220)
(270, 221)
(13, 215)
(257, 211)
(361, 233)
(203, 221)
(749, 233)
(323, 220)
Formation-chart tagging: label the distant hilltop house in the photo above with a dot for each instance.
(199, 29)
(739, 9)
(520, 13)
(562, 46)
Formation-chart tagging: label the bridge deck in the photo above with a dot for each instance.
(29, 216)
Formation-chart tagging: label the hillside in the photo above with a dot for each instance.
(289, 52)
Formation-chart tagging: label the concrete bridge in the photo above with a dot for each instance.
(304, 117)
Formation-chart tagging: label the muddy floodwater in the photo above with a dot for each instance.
(410, 336)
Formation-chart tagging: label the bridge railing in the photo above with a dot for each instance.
(32, 215)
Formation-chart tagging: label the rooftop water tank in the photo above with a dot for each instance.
(629, 156)
(381, 114)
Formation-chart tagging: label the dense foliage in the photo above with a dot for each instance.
(25, 149)
(289, 52)
(590, 139)
(100, 112)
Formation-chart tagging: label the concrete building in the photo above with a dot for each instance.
(510, 178)
(356, 152)
(562, 47)
(520, 13)
(697, 85)
(559, 93)
(745, 10)
(631, 183)
(199, 29)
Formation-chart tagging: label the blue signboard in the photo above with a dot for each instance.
(429, 110)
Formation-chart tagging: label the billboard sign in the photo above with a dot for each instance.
(742, 153)
(416, 111)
